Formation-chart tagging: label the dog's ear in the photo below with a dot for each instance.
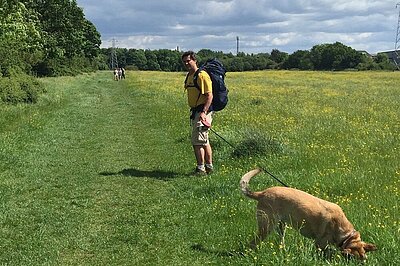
(369, 247)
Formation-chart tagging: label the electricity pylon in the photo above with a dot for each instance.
(397, 44)
(114, 60)
(237, 45)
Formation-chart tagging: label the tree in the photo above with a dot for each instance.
(91, 40)
(152, 63)
(278, 56)
(300, 59)
(383, 62)
(20, 40)
(169, 60)
(260, 61)
(235, 64)
(122, 54)
(137, 58)
(205, 53)
(335, 56)
(42, 37)
(70, 41)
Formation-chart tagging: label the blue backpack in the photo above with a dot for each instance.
(216, 71)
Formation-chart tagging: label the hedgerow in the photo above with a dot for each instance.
(21, 88)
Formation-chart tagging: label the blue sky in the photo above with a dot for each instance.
(261, 25)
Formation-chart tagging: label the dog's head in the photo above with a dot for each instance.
(354, 247)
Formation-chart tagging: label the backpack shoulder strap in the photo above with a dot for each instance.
(184, 83)
(194, 79)
(196, 75)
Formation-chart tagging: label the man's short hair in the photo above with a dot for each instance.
(191, 54)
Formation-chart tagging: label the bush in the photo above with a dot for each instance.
(20, 89)
(257, 144)
(131, 67)
(65, 67)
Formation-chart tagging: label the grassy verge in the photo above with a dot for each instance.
(96, 173)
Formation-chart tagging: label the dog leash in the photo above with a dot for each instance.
(263, 169)
(274, 177)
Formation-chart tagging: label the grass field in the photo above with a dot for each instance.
(96, 173)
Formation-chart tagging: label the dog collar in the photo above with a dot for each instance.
(347, 239)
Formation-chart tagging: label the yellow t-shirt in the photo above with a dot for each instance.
(204, 82)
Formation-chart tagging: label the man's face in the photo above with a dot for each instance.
(189, 63)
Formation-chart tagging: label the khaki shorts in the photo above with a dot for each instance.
(199, 135)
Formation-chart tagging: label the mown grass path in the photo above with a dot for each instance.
(69, 177)
(96, 173)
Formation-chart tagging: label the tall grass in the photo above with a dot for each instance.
(96, 173)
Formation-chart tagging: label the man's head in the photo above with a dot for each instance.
(190, 61)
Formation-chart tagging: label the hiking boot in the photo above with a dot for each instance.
(199, 172)
(209, 170)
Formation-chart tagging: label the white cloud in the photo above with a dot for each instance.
(283, 39)
(178, 26)
(262, 25)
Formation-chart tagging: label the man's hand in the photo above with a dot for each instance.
(203, 116)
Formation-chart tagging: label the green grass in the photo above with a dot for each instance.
(96, 173)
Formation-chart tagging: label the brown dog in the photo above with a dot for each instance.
(315, 218)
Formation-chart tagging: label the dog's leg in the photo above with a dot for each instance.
(281, 231)
(324, 249)
(265, 226)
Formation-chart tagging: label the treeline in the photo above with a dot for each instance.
(53, 38)
(336, 56)
(43, 38)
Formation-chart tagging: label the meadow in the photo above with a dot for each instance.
(98, 171)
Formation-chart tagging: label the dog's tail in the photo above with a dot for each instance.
(244, 183)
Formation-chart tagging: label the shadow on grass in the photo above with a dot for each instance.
(156, 174)
(222, 253)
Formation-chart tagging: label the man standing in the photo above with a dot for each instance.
(199, 100)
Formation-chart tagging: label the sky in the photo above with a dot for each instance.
(260, 25)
